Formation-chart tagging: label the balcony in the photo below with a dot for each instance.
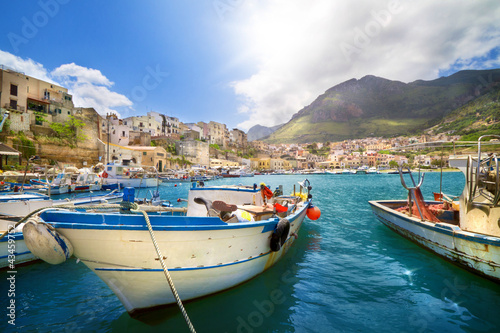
(17, 108)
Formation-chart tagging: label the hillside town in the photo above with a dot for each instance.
(31, 109)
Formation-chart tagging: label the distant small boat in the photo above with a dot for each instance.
(128, 176)
(86, 182)
(372, 170)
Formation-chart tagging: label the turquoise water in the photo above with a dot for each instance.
(346, 273)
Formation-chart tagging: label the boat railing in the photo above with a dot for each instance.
(412, 196)
(479, 184)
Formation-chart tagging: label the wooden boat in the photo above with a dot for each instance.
(226, 236)
(468, 237)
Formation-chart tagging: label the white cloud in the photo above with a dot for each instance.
(81, 74)
(27, 66)
(89, 87)
(303, 48)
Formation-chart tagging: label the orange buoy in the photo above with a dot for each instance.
(313, 212)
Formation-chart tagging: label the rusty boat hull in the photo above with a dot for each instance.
(475, 252)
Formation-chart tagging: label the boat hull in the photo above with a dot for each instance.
(131, 182)
(472, 251)
(202, 258)
(13, 244)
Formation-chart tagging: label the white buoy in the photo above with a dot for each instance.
(46, 243)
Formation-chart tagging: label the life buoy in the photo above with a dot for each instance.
(104, 174)
(280, 234)
(46, 243)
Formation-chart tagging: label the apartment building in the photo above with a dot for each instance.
(113, 129)
(218, 134)
(148, 123)
(31, 101)
(238, 138)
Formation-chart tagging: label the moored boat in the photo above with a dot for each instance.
(86, 182)
(13, 207)
(468, 237)
(226, 236)
(128, 176)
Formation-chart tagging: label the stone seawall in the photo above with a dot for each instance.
(79, 156)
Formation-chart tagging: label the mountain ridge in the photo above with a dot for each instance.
(374, 106)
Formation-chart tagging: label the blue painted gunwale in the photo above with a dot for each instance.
(16, 236)
(462, 234)
(26, 196)
(16, 254)
(251, 190)
(117, 221)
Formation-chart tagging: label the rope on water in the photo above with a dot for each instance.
(165, 269)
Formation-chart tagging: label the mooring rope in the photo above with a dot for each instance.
(165, 270)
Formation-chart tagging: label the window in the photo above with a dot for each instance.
(13, 104)
(13, 90)
(144, 153)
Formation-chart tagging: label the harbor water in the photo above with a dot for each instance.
(346, 272)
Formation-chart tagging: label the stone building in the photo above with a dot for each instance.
(32, 102)
(141, 155)
(195, 151)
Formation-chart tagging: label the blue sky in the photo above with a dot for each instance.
(239, 62)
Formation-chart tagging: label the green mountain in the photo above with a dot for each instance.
(258, 132)
(478, 117)
(374, 106)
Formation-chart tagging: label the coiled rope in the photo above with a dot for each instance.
(165, 269)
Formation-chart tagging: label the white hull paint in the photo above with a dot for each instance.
(201, 262)
(19, 248)
(23, 207)
(131, 182)
(476, 252)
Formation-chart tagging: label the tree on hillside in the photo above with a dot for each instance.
(69, 130)
(24, 145)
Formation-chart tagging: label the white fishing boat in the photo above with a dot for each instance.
(13, 207)
(86, 182)
(372, 171)
(128, 176)
(468, 237)
(226, 236)
(61, 184)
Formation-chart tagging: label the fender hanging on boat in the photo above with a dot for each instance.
(280, 235)
(46, 243)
